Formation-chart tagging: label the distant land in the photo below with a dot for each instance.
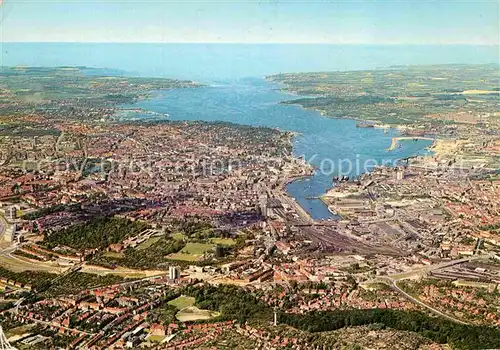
(455, 104)
(399, 94)
(119, 232)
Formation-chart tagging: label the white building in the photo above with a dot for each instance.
(10, 233)
(174, 272)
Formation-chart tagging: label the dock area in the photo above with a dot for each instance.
(395, 140)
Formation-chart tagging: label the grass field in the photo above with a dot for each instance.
(122, 271)
(192, 313)
(19, 330)
(182, 302)
(178, 236)
(197, 248)
(189, 312)
(223, 241)
(184, 257)
(374, 286)
(156, 338)
(192, 252)
(148, 243)
(17, 264)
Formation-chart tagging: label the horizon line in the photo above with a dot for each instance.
(244, 43)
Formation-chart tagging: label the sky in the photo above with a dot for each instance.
(336, 22)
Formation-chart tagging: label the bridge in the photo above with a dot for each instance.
(395, 140)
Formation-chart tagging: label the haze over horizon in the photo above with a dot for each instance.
(359, 22)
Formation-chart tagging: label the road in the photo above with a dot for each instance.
(58, 141)
(17, 264)
(303, 217)
(392, 280)
(393, 284)
(430, 268)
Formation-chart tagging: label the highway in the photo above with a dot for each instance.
(392, 280)
(393, 284)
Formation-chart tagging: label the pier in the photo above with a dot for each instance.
(395, 140)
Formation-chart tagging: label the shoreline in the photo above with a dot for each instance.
(442, 147)
(377, 125)
(335, 215)
(292, 136)
(396, 141)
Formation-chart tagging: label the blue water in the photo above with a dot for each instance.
(322, 141)
(232, 97)
(207, 62)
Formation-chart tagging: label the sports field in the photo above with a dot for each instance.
(192, 252)
(182, 302)
(192, 313)
(189, 312)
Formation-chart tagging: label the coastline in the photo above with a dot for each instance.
(395, 140)
(299, 130)
(445, 147)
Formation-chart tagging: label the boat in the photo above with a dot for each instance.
(340, 179)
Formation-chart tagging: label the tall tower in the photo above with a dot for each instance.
(174, 272)
(4, 343)
(275, 316)
(263, 204)
(11, 213)
(400, 174)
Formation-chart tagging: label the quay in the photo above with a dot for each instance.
(395, 140)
